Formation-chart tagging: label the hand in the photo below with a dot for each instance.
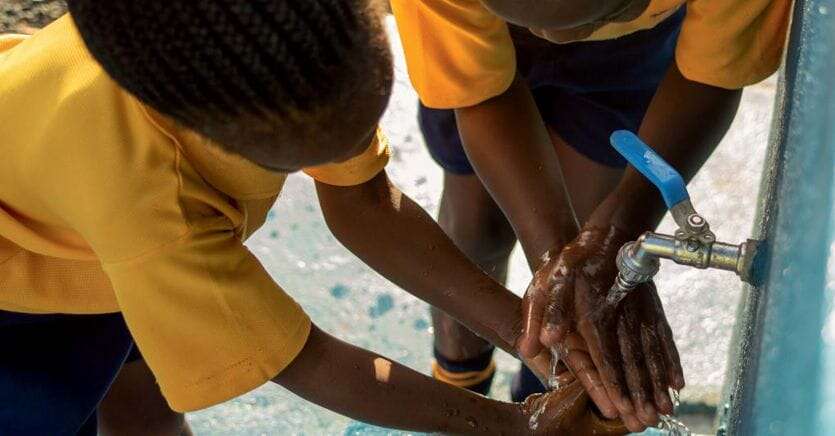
(630, 345)
(566, 410)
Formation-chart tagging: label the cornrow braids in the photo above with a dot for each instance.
(202, 61)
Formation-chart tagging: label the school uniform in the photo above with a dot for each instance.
(117, 225)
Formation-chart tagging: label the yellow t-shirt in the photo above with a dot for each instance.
(460, 54)
(107, 206)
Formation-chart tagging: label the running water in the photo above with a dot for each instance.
(616, 293)
(557, 353)
(553, 383)
(533, 423)
(672, 427)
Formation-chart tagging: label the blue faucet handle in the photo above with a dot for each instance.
(652, 166)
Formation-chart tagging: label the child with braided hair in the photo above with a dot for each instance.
(142, 143)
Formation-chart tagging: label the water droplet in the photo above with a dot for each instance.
(823, 10)
(452, 412)
(274, 234)
(472, 422)
(533, 423)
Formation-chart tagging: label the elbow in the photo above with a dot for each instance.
(348, 211)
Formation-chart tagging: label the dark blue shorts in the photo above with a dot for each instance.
(55, 369)
(584, 91)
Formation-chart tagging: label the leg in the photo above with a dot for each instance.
(134, 405)
(477, 226)
(588, 182)
(55, 369)
(471, 218)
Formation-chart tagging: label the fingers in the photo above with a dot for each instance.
(675, 374)
(558, 311)
(533, 306)
(655, 362)
(580, 364)
(637, 375)
(601, 338)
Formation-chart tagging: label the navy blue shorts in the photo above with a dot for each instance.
(584, 91)
(55, 369)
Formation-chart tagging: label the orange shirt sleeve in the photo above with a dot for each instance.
(209, 320)
(458, 53)
(731, 43)
(357, 170)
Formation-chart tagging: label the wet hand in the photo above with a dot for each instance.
(566, 410)
(624, 354)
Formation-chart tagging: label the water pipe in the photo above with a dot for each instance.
(693, 244)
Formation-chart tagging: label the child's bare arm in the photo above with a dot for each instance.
(397, 238)
(684, 123)
(371, 388)
(511, 151)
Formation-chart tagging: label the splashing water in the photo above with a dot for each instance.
(672, 427)
(533, 423)
(553, 383)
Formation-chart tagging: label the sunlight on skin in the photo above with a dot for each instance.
(382, 369)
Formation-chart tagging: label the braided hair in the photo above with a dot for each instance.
(205, 62)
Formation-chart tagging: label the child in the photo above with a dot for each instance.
(127, 187)
(519, 116)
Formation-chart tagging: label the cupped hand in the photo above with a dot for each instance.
(625, 350)
(566, 410)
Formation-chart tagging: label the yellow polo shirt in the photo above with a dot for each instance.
(460, 54)
(106, 206)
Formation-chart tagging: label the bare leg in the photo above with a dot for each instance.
(471, 218)
(587, 181)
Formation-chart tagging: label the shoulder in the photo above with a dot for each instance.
(732, 44)
(458, 53)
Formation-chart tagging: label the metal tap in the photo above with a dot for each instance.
(693, 244)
